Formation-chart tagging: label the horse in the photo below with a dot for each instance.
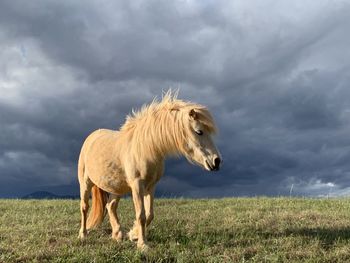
(113, 163)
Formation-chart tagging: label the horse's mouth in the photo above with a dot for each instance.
(207, 165)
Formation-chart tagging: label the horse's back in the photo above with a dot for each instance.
(92, 137)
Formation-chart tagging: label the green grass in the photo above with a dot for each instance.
(184, 230)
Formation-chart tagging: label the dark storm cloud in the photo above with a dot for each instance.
(275, 76)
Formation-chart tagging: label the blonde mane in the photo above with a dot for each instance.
(161, 127)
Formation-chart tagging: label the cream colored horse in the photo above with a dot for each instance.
(113, 163)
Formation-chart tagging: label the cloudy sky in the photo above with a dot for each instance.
(275, 74)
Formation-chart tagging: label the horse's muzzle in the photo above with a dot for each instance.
(215, 166)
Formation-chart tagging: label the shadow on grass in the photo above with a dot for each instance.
(229, 238)
(328, 236)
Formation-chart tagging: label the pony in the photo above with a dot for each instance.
(113, 163)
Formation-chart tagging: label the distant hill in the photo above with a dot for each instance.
(47, 195)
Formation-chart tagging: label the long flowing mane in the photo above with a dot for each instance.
(162, 127)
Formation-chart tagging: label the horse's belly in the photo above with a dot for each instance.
(113, 185)
(109, 176)
(113, 179)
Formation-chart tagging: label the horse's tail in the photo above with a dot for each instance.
(97, 212)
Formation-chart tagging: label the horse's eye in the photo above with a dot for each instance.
(199, 132)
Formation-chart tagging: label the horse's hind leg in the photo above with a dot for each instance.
(85, 190)
(112, 205)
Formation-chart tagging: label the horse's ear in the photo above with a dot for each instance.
(193, 114)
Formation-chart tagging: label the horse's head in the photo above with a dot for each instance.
(199, 145)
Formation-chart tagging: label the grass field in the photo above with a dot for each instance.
(184, 230)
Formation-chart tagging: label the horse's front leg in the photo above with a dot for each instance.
(137, 189)
(148, 200)
(148, 204)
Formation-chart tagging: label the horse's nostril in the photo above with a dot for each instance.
(217, 162)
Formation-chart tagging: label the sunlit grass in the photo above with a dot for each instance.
(184, 230)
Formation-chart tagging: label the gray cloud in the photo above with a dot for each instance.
(275, 76)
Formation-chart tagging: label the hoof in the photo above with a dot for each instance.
(118, 236)
(82, 234)
(132, 236)
(143, 247)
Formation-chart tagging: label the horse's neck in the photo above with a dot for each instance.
(159, 143)
(168, 144)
